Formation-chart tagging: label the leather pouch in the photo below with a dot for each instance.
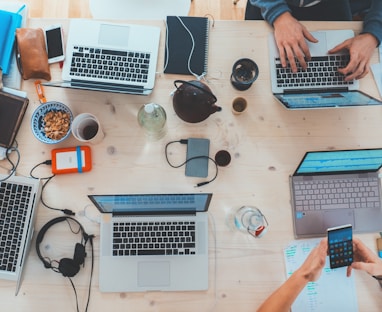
(32, 58)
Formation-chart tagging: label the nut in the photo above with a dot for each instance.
(56, 124)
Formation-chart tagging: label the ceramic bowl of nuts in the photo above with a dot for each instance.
(51, 122)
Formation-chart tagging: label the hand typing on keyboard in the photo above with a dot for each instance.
(361, 49)
(292, 37)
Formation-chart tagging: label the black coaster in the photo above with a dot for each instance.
(223, 158)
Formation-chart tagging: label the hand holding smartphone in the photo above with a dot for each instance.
(54, 43)
(340, 245)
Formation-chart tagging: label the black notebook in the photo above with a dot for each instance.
(12, 110)
(182, 56)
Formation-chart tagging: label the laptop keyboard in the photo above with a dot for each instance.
(154, 238)
(321, 72)
(113, 65)
(334, 194)
(14, 200)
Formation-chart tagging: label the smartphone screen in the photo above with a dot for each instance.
(340, 245)
(54, 44)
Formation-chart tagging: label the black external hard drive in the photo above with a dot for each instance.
(198, 166)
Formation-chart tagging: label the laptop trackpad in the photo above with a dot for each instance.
(320, 48)
(338, 217)
(113, 35)
(153, 274)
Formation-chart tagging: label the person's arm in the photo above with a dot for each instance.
(362, 46)
(270, 10)
(365, 260)
(283, 298)
(290, 34)
(373, 20)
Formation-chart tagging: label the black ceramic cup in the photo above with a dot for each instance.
(244, 74)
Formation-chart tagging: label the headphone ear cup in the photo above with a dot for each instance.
(68, 267)
(79, 254)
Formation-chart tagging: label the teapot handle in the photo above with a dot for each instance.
(191, 84)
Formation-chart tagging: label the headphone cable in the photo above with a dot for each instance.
(90, 237)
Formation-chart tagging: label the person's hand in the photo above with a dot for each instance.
(361, 49)
(291, 36)
(364, 259)
(312, 267)
(283, 297)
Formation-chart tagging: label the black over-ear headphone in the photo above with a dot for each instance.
(66, 266)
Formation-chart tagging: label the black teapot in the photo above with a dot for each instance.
(193, 101)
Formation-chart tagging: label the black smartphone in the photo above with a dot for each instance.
(54, 43)
(340, 246)
(197, 152)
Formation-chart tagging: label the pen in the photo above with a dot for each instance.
(22, 8)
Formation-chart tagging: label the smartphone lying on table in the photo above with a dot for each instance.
(340, 246)
(54, 43)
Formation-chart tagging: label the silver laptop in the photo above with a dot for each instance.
(331, 188)
(19, 197)
(153, 242)
(320, 85)
(110, 57)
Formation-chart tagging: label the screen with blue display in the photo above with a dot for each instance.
(152, 203)
(341, 161)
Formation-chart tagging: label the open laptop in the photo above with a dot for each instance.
(19, 197)
(110, 57)
(142, 247)
(332, 188)
(320, 85)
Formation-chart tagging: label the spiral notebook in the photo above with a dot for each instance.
(186, 45)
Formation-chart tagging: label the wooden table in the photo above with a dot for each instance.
(266, 144)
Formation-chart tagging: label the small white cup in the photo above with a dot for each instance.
(239, 105)
(86, 128)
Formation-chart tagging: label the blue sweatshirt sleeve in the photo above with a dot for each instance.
(271, 9)
(373, 20)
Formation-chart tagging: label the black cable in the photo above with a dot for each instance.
(48, 162)
(184, 141)
(90, 237)
(14, 165)
(75, 293)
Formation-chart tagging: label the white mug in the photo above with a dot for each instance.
(86, 128)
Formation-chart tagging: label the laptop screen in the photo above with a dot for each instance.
(326, 99)
(341, 161)
(151, 203)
